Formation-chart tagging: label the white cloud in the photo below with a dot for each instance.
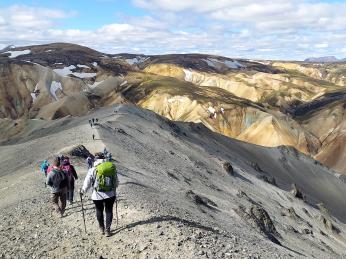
(281, 29)
(21, 16)
(321, 45)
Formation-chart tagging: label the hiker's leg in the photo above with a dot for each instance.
(71, 192)
(55, 202)
(99, 212)
(109, 211)
(63, 201)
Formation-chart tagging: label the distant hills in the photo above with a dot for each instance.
(325, 59)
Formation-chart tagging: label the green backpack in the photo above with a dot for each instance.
(105, 177)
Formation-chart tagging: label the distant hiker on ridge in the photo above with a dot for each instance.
(71, 174)
(104, 180)
(93, 136)
(57, 180)
(44, 167)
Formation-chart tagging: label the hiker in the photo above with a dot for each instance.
(104, 180)
(71, 174)
(93, 136)
(90, 162)
(61, 158)
(105, 151)
(44, 167)
(109, 157)
(57, 180)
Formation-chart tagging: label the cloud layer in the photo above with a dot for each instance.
(275, 30)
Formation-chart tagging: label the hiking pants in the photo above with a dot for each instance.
(106, 204)
(55, 199)
(70, 191)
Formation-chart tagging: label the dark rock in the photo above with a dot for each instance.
(228, 168)
(201, 200)
(306, 231)
(267, 179)
(80, 151)
(258, 218)
(256, 166)
(306, 212)
(297, 192)
(328, 224)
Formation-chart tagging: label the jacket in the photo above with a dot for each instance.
(90, 180)
(57, 180)
(44, 166)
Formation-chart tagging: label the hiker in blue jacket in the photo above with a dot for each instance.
(44, 167)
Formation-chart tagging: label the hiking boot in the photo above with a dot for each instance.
(102, 230)
(108, 232)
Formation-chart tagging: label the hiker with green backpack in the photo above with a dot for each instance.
(102, 177)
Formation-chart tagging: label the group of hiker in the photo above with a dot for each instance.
(101, 177)
(60, 176)
(107, 156)
(93, 122)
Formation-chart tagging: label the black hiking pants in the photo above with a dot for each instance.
(70, 191)
(107, 205)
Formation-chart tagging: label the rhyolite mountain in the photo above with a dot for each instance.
(261, 102)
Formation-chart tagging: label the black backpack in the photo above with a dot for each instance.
(59, 179)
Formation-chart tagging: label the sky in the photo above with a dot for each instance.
(267, 29)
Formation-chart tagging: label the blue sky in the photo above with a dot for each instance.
(281, 29)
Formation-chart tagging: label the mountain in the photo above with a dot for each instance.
(322, 59)
(217, 157)
(264, 103)
(175, 199)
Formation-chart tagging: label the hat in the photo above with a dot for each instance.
(99, 155)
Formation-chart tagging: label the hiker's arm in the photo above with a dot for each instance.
(88, 181)
(49, 180)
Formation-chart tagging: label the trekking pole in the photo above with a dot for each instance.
(81, 200)
(116, 206)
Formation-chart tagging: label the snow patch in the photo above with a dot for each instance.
(136, 60)
(67, 71)
(188, 74)
(212, 62)
(211, 109)
(209, 62)
(95, 64)
(233, 64)
(64, 71)
(16, 53)
(50, 50)
(84, 75)
(83, 66)
(175, 99)
(33, 95)
(55, 86)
